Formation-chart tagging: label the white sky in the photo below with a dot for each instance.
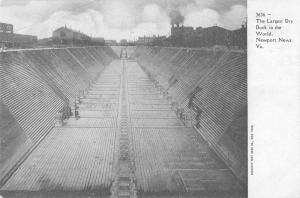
(118, 19)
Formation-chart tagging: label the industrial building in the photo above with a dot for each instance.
(68, 36)
(151, 40)
(9, 39)
(208, 37)
(65, 36)
(111, 42)
(97, 41)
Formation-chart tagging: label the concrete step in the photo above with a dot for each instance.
(124, 187)
(124, 193)
(124, 178)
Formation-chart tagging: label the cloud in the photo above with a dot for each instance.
(13, 2)
(204, 4)
(235, 16)
(117, 19)
(204, 18)
(90, 22)
(151, 12)
(118, 14)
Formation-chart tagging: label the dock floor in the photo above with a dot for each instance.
(83, 155)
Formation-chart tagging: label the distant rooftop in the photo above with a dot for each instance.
(70, 29)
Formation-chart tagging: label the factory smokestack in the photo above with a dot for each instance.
(176, 17)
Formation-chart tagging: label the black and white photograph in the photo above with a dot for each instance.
(129, 98)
